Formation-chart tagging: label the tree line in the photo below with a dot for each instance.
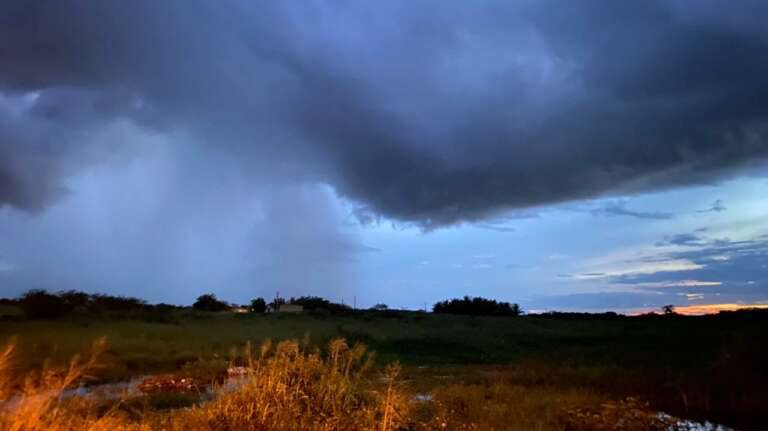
(209, 302)
(476, 306)
(41, 304)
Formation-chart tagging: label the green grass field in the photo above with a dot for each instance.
(713, 367)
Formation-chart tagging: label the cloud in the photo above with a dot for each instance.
(637, 303)
(501, 223)
(719, 267)
(599, 301)
(683, 239)
(494, 227)
(431, 113)
(299, 255)
(162, 242)
(717, 206)
(484, 257)
(558, 256)
(619, 208)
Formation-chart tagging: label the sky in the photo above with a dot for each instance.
(590, 155)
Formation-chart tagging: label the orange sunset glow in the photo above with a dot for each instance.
(695, 310)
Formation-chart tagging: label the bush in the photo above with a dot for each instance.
(101, 302)
(75, 300)
(209, 302)
(39, 304)
(258, 305)
(316, 303)
(311, 303)
(476, 307)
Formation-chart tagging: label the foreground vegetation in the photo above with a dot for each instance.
(283, 388)
(529, 370)
(293, 387)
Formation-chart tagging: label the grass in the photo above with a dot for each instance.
(287, 388)
(293, 387)
(711, 368)
(10, 311)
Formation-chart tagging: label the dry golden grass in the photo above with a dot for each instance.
(498, 399)
(287, 388)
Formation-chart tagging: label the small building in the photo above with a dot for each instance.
(290, 308)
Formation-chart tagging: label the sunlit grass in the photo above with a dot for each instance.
(286, 387)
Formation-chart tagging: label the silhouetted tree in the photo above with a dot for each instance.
(310, 303)
(380, 307)
(668, 309)
(75, 300)
(101, 302)
(258, 305)
(39, 304)
(209, 302)
(316, 303)
(477, 307)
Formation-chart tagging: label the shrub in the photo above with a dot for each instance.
(101, 302)
(311, 303)
(75, 300)
(477, 307)
(288, 388)
(209, 302)
(335, 308)
(316, 303)
(39, 304)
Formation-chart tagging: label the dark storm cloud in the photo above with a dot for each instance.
(426, 112)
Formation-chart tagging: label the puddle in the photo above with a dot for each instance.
(126, 389)
(110, 390)
(422, 397)
(687, 425)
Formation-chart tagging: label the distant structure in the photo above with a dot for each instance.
(240, 309)
(289, 308)
(280, 306)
